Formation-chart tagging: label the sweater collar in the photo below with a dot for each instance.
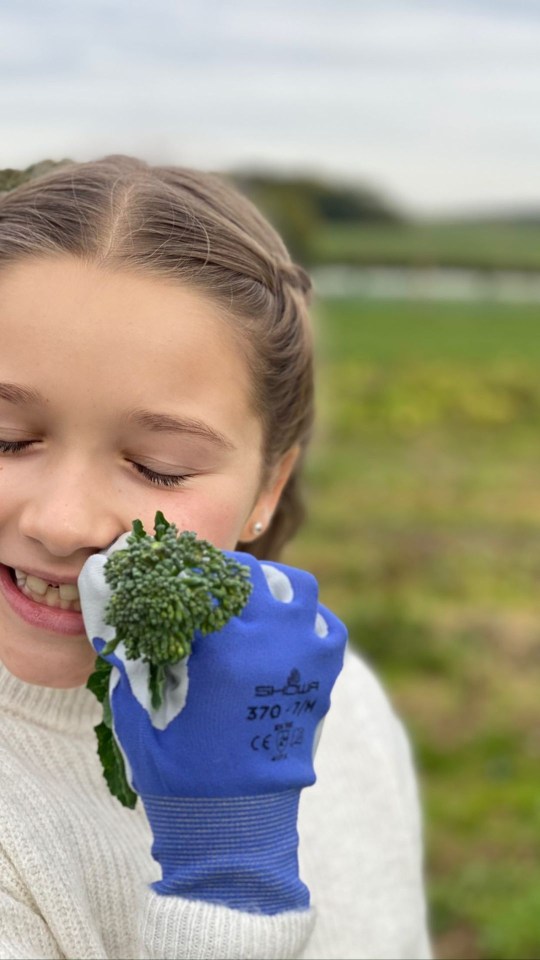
(75, 710)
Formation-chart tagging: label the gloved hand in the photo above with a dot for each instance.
(220, 766)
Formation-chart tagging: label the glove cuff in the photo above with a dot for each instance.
(240, 852)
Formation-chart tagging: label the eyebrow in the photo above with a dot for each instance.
(165, 423)
(14, 393)
(157, 422)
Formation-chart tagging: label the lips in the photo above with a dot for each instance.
(38, 614)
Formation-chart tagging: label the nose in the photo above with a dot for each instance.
(70, 513)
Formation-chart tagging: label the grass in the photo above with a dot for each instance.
(424, 495)
(479, 245)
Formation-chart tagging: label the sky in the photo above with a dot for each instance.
(433, 103)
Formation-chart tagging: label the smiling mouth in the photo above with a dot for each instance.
(65, 596)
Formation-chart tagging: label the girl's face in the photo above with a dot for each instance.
(122, 395)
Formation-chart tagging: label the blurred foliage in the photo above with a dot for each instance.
(299, 206)
(11, 178)
(424, 533)
(328, 223)
(500, 244)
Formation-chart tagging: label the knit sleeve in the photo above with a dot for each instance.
(361, 850)
(180, 929)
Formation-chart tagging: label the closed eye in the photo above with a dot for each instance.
(14, 446)
(161, 479)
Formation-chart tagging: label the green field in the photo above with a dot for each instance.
(424, 531)
(504, 246)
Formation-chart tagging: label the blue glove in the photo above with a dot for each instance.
(220, 766)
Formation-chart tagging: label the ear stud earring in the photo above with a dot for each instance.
(258, 527)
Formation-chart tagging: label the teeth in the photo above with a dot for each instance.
(37, 586)
(52, 597)
(69, 591)
(65, 596)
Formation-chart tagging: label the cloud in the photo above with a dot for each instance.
(436, 102)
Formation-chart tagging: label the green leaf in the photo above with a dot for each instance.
(98, 681)
(160, 525)
(114, 770)
(111, 758)
(107, 712)
(138, 529)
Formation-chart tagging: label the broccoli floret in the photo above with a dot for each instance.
(164, 589)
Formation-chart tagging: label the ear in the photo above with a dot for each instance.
(268, 498)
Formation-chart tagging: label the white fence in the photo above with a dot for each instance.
(427, 284)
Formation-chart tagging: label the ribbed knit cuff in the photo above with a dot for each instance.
(173, 927)
(240, 852)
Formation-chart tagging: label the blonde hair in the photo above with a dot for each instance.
(190, 226)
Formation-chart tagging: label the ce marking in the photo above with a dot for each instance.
(261, 743)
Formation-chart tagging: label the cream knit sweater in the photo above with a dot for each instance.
(75, 865)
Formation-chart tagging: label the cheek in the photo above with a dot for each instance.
(216, 508)
(10, 494)
(221, 527)
(216, 520)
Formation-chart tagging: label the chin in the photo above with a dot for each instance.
(61, 670)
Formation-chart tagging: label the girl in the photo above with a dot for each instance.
(156, 354)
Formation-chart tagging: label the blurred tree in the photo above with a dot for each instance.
(299, 205)
(11, 178)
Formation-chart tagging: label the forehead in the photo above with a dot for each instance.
(74, 329)
(70, 296)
